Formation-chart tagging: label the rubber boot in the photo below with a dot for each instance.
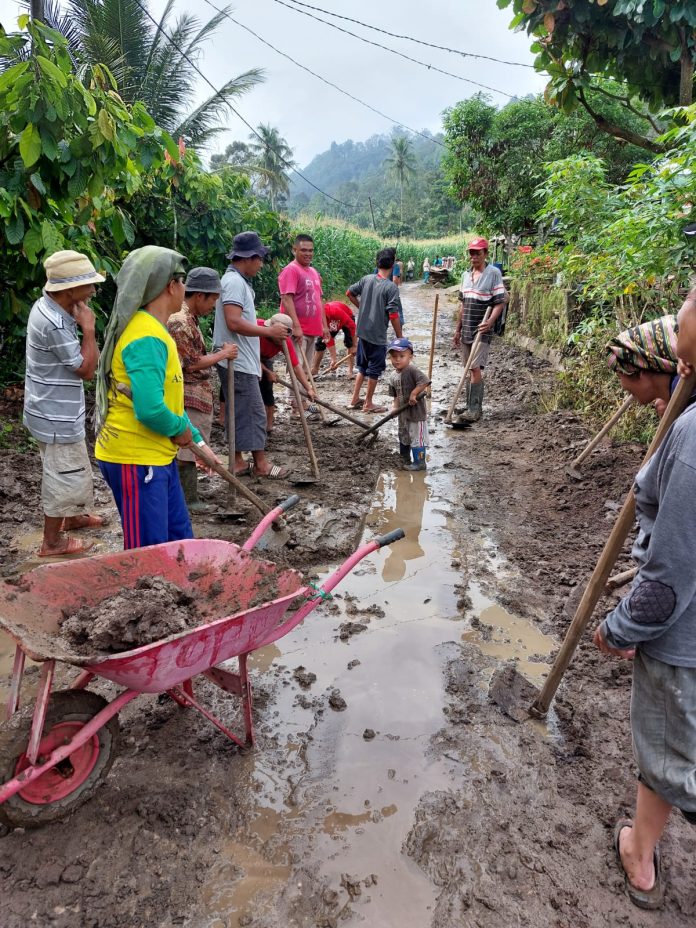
(460, 410)
(475, 410)
(189, 484)
(418, 460)
(405, 452)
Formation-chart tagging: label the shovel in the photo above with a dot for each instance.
(325, 405)
(313, 463)
(541, 700)
(330, 370)
(395, 412)
(572, 469)
(231, 437)
(465, 376)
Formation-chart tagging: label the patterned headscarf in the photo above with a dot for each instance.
(143, 276)
(651, 346)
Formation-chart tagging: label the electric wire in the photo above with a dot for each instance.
(288, 164)
(410, 38)
(324, 79)
(393, 51)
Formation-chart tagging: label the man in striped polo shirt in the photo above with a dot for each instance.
(54, 397)
(482, 286)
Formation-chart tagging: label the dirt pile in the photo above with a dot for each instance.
(155, 608)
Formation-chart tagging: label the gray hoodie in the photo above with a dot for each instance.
(659, 613)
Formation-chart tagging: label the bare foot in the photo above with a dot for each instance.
(641, 875)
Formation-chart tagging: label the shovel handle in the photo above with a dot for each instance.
(391, 415)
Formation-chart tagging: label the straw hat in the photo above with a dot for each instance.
(66, 269)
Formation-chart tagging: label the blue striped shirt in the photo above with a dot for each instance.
(54, 396)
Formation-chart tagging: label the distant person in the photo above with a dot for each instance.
(426, 270)
(438, 261)
(396, 275)
(482, 287)
(235, 321)
(301, 298)
(377, 299)
(410, 268)
(54, 397)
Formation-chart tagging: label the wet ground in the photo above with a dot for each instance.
(388, 791)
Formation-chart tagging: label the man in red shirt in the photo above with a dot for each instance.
(339, 317)
(270, 347)
(301, 297)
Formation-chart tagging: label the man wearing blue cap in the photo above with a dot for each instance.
(407, 385)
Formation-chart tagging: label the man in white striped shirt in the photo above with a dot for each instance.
(54, 397)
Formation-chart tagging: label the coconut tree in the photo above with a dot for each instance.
(402, 165)
(151, 61)
(273, 161)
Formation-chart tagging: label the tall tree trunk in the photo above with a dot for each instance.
(686, 81)
(402, 204)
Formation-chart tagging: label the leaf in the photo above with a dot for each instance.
(51, 237)
(529, 6)
(30, 145)
(49, 146)
(52, 71)
(14, 229)
(33, 244)
(38, 183)
(106, 125)
(549, 22)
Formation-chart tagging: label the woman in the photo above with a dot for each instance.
(656, 626)
(140, 401)
(644, 358)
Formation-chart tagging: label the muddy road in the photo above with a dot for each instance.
(385, 789)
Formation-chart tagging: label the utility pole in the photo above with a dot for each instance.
(374, 224)
(36, 9)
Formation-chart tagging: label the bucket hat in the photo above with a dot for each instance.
(66, 269)
(247, 245)
(203, 280)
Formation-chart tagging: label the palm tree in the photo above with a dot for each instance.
(273, 158)
(402, 164)
(146, 65)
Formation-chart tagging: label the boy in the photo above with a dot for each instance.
(406, 385)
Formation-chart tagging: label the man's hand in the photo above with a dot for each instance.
(183, 439)
(83, 316)
(601, 642)
(485, 326)
(457, 339)
(312, 394)
(278, 330)
(229, 351)
(272, 376)
(353, 351)
(296, 330)
(684, 369)
(211, 456)
(326, 333)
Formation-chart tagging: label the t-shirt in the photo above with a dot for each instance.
(304, 285)
(236, 289)
(184, 329)
(269, 348)
(397, 269)
(379, 302)
(140, 430)
(401, 385)
(339, 316)
(489, 290)
(54, 396)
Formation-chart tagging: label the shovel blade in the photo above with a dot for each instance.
(512, 692)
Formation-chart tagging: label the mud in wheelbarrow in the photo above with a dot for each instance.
(56, 753)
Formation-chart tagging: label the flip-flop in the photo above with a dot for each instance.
(72, 547)
(642, 898)
(357, 405)
(277, 472)
(375, 409)
(92, 522)
(245, 471)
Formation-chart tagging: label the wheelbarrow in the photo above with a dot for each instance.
(55, 754)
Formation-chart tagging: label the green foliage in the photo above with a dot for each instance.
(496, 158)
(271, 161)
(70, 153)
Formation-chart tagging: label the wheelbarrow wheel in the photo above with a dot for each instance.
(64, 788)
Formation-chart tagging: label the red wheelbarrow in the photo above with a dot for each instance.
(55, 754)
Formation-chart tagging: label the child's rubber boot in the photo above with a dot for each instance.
(405, 452)
(418, 460)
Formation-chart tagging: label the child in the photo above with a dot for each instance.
(407, 385)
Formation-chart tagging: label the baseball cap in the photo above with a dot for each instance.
(478, 244)
(279, 318)
(247, 245)
(400, 344)
(203, 280)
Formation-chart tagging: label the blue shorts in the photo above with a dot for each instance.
(150, 502)
(371, 360)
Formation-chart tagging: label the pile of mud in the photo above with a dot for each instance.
(153, 609)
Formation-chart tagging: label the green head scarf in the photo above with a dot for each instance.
(143, 276)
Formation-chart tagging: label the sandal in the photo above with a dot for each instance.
(357, 405)
(72, 546)
(642, 898)
(90, 522)
(277, 472)
(375, 409)
(246, 471)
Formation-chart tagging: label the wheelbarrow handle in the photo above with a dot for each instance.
(390, 537)
(289, 502)
(270, 519)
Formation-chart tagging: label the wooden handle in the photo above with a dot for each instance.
(467, 368)
(334, 409)
(607, 559)
(231, 479)
(308, 372)
(300, 411)
(432, 337)
(391, 415)
(607, 427)
(231, 435)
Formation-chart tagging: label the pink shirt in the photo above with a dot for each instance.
(304, 284)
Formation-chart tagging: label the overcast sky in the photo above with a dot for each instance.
(310, 114)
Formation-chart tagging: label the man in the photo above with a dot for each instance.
(302, 299)
(54, 397)
(339, 317)
(410, 267)
(235, 321)
(377, 299)
(655, 626)
(482, 287)
(396, 273)
(203, 288)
